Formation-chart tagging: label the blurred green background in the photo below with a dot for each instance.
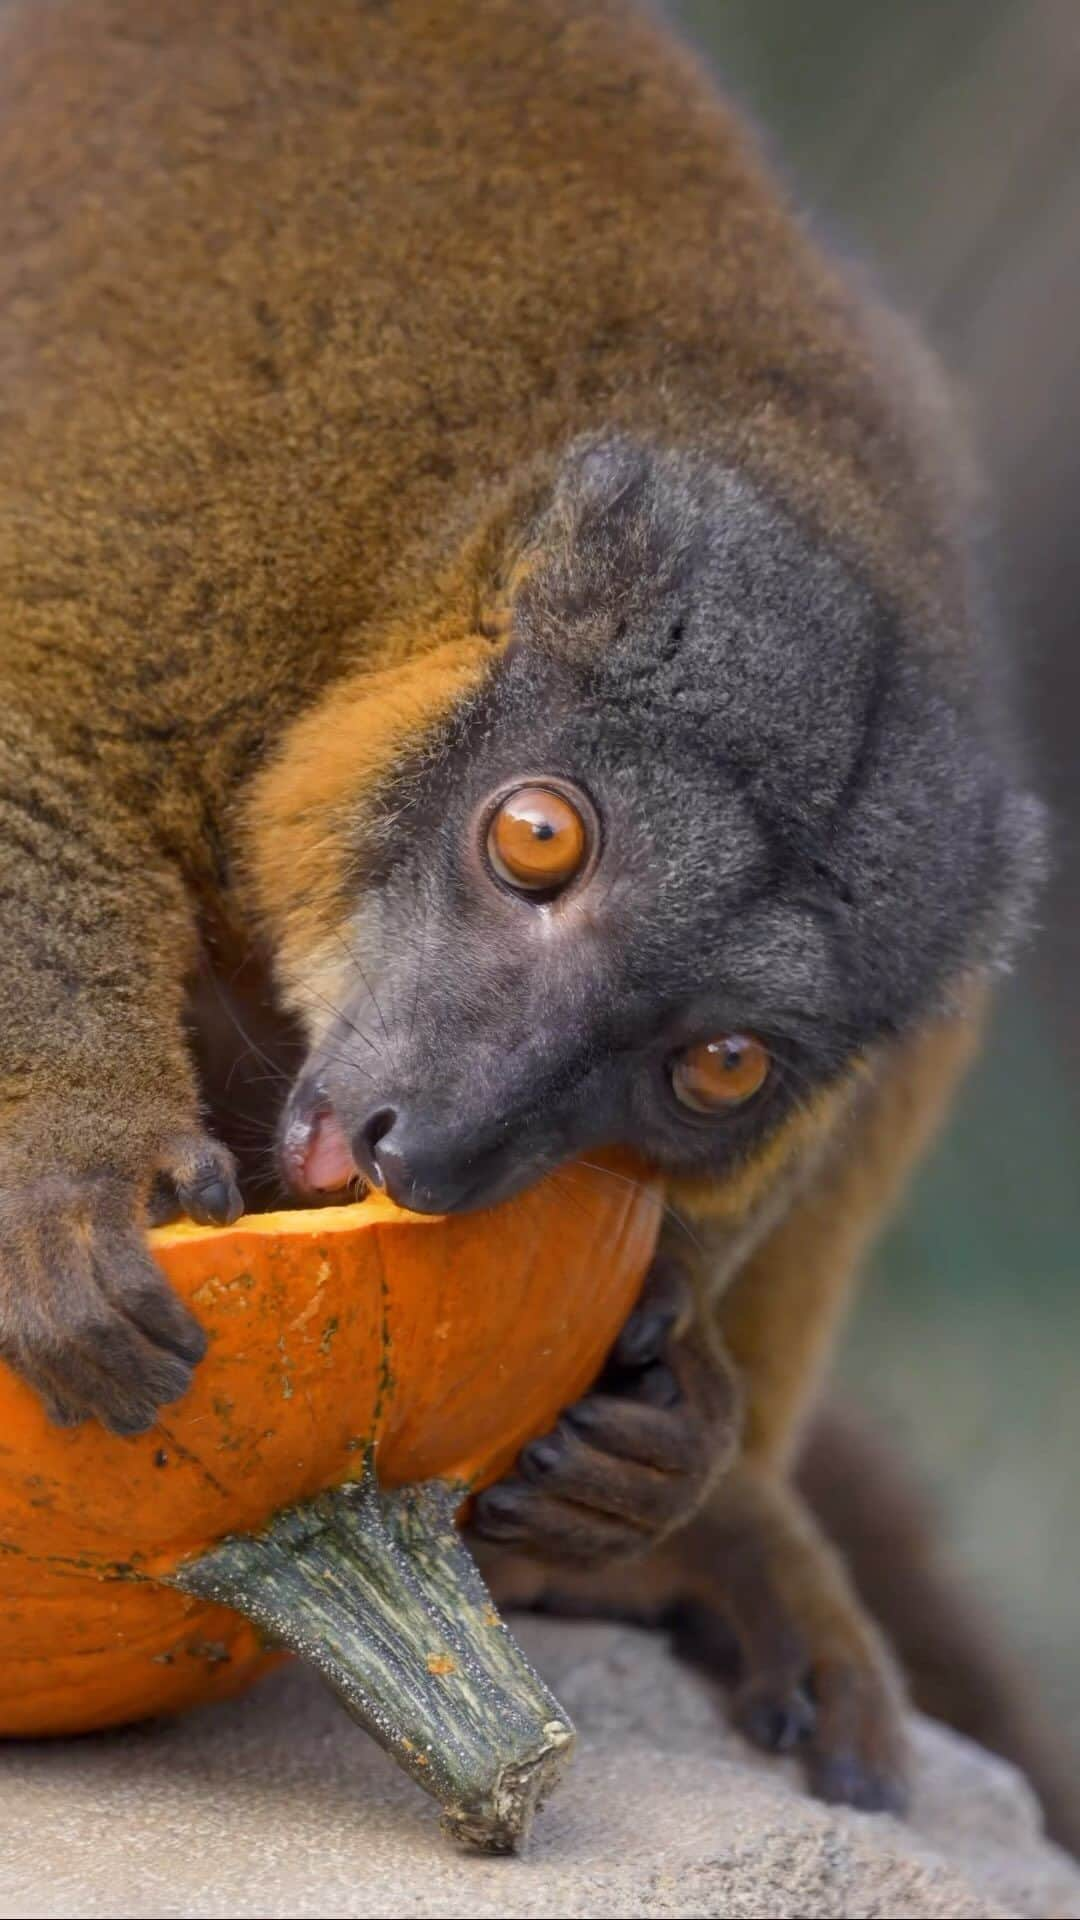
(940, 142)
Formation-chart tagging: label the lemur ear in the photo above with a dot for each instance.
(1022, 850)
(599, 473)
(598, 478)
(595, 476)
(496, 620)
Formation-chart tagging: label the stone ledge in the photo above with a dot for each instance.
(277, 1806)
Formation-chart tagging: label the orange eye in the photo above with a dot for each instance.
(720, 1073)
(536, 840)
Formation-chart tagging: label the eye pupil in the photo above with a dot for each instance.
(536, 840)
(721, 1073)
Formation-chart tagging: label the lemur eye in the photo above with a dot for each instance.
(720, 1073)
(536, 840)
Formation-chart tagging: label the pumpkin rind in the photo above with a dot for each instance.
(447, 1343)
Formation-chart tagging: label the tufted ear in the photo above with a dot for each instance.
(599, 473)
(620, 524)
(1022, 848)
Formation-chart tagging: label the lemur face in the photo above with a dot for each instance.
(704, 834)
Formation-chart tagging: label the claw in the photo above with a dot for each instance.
(217, 1203)
(846, 1781)
(775, 1722)
(644, 1337)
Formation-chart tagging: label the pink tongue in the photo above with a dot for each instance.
(328, 1163)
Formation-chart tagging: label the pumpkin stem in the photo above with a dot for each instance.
(379, 1593)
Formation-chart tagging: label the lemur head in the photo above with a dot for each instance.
(705, 829)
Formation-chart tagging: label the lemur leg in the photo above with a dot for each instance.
(777, 1582)
(752, 1573)
(781, 1314)
(752, 1593)
(813, 1671)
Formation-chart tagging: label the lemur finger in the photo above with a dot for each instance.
(649, 1436)
(103, 1367)
(85, 1314)
(766, 1659)
(109, 1367)
(97, 1359)
(203, 1176)
(563, 1467)
(131, 1280)
(663, 1313)
(60, 1411)
(60, 1405)
(769, 1704)
(774, 1711)
(164, 1319)
(553, 1529)
(163, 1206)
(857, 1754)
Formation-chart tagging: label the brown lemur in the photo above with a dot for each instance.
(466, 550)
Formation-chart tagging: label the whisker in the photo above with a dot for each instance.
(354, 960)
(558, 1180)
(627, 1180)
(253, 1123)
(792, 1075)
(347, 1060)
(340, 1014)
(252, 1045)
(419, 967)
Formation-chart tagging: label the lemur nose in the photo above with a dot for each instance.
(407, 1160)
(370, 1151)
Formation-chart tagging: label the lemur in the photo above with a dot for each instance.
(480, 588)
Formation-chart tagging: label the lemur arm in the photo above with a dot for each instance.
(97, 1094)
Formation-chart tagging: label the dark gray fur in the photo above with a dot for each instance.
(807, 832)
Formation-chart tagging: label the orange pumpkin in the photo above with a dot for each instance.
(435, 1346)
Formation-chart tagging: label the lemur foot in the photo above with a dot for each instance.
(842, 1718)
(813, 1674)
(635, 1458)
(86, 1315)
(839, 1714)
(754, 1595)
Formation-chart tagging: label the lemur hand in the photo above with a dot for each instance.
(86, 1315)
(634, 1459)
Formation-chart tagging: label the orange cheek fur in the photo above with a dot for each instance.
(306, 806)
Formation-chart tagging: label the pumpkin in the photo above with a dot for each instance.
(353, 1351)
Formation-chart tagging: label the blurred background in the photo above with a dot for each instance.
(940, 142)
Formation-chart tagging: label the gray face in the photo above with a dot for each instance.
(790, 834)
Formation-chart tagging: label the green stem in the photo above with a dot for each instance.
(379, 1593)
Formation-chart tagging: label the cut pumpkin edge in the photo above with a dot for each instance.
(298, 1223)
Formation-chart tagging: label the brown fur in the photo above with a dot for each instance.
(781, 1313)
(957, 1667)
(302, 300)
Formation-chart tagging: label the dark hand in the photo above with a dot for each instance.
(634, 1459)
(86, 1315)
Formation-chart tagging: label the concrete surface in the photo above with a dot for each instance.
(277, 1805)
